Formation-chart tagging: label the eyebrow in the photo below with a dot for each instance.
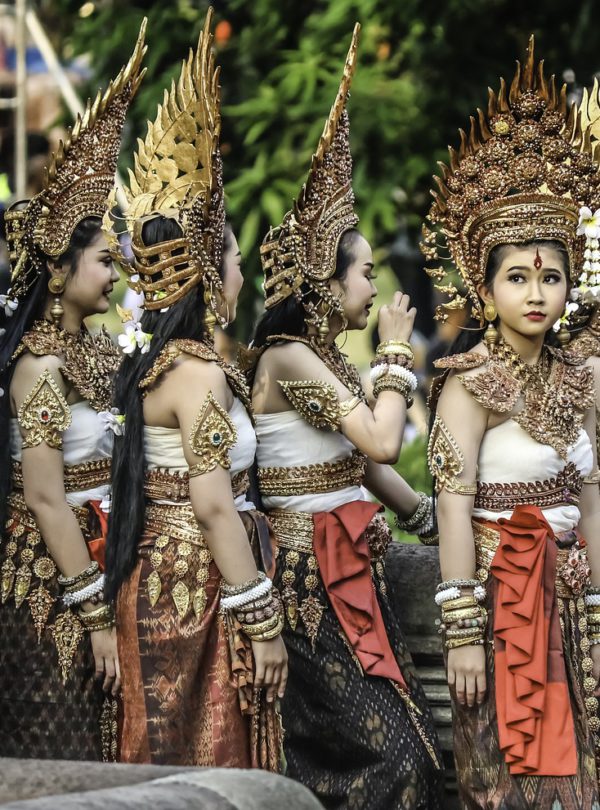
(105, 250)
(528, 269)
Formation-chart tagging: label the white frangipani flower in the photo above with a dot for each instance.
(113, 420)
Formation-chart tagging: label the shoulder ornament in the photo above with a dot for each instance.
(446, 461)
(212, 435)
(318, 403)
(44, 414)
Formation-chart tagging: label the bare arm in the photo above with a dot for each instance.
(391, 489)
(589, 505)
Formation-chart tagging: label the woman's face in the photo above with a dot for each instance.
(88, 289)
(232, 277)
(356, 290)
(529, 290)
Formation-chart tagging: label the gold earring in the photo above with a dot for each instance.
(210, 320)
(491, 333)
(56, 285)
(564, 336)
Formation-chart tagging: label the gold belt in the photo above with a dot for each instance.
(76, 477)
(293, 530)
(313, 479)
(176, 521)
(487, 541)
(162, 485)
(562, 490)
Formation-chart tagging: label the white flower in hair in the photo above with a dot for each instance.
(589, 224)
(9, 305)
(106, 503)
(143, 339)
(113, 420)
(128, 339)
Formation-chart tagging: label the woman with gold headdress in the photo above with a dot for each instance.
(357, 728)
(56, 631)
(199, 626)
(513, 455)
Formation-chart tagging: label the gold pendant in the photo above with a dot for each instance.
(154, 587)
(290, 600)
(181, 597)
(22, 583)
(199, 602)
(40, 604)
(8, 579)
(67, 633)
(311, 611)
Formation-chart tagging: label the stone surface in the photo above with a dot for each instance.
(141, 786)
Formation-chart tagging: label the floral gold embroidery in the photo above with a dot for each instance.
(317, 402)
(446, 461)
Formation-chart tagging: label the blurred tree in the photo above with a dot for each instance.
(423, 68)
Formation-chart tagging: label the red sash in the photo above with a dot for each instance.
(535, 721)
(344, 561)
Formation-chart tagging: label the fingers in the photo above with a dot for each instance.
(268, 682)
(99, 664)
(259, 674)
(109, 674)
(481, 686)
(470, 690)
(283, 680)
(117, 684)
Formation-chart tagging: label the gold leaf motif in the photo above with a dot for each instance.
(317, 402)
(311, 611)
(44, 568)
(67, 633)
(181, 598)
(44, 413)
(154, 587)
(40, 604)
(199, 602)
(290, 600)
(212, 435)
(7, 579)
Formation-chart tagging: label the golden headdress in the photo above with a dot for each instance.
(303, 248)
(523, 172)
(78, 181)
(178, 174)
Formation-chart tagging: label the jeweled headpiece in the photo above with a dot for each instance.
(522, 173)
(78, 181)
(178, 174)
(304, 247)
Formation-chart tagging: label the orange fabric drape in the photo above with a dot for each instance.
(97, 545)
(535, 721)
(344, 561)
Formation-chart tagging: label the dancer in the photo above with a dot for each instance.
(199, 627)
(56, 632)
(358, 731)
(513, 454)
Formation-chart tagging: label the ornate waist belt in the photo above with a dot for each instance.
(77, 477)
(313, 479)
(563, 490)
(162, 485)
(572, 569)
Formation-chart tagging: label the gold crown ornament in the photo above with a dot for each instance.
(78, 181)
(178, 174)
(523, 172)
(303, 248)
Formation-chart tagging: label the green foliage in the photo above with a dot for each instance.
(423, 68)
(412, 466)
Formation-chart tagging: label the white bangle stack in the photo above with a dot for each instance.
(447, 595)
(246, 597)
(84, 594)
(394, 370)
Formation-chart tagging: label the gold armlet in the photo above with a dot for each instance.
(348, 405)
(44, 414)
(317, 402)
(446, 461)
(592, 478)
(212, 435)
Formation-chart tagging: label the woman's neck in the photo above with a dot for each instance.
(528, 347)
(70, 321)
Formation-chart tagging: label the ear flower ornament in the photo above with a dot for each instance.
(9, 304)
(113, 420)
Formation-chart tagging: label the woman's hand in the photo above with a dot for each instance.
(396, 320)
(270, 667)
(466, 674)
(104, 647)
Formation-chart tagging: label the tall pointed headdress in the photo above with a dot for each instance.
(78, 181)
(303, 248)
(178, 173)
(523, 172)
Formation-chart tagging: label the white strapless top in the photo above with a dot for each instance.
(285, 439)
(163, 447)
(508, 454)
(86, 439)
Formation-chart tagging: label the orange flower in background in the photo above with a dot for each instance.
(223, 31)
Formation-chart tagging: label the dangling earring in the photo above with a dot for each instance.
(56, 285)
(210, 319)
(323, 328)
(491, 333)
(564, 336)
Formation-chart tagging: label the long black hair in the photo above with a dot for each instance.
(185, 319)
(472, 333)
(289, 316)
(31, 309)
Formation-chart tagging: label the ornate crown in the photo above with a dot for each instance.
(178, 173)
(77, 182)
(304, 247)
(522, 173)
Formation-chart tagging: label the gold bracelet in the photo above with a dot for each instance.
(452, 644)
(101, 618)
(393, 347)
(459, 602)
(270, 634)
(463, 613)
(69, 582)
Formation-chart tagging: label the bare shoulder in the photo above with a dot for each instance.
(29, 367)
(191, 373)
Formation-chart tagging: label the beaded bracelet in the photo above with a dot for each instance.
(458, 583)
(234, 590)
(421, 519)
(69, 582)
(394, 370)
(592, 599)
(446, 595)
(86, 594)
(250, 595)
(391, 383)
